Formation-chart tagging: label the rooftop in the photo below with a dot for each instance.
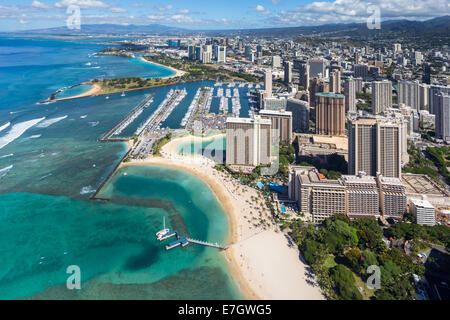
(276, 112)
(330, 95)
(422, 203)
(249, 120)
(421, 184)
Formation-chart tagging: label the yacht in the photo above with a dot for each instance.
(163, 232)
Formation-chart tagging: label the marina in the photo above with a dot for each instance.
(126, 121)
(200, 104)
(151, 130)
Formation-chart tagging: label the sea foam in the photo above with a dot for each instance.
(6, 125)
(17, 130)
(4, 171)
(49, 122)
(87, 190)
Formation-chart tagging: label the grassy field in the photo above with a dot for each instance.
(127, 84)
(201, 71)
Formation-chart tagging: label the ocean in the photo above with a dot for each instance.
(51, 163)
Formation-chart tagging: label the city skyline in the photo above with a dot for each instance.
(20, 15)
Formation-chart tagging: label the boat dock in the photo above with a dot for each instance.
(208, 244)
(184, 241)
(129, 118)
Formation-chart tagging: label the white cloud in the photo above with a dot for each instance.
(118, 10)
(183, 11)
(40, 5)
(85, 4)
(260, 8)
(347, 11)
(21, 21)
(164, 8)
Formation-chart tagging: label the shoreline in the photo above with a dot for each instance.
(93, 91)
(96, 89)
(246, 291)
(178, 73)
(250, 246)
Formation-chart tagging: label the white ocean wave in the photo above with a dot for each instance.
(6, 125)
(36, 136)
(4, 171)
(49, 122)
(46, 176)
(83, 117)
(94, 124)
(17, 130)
(87, 190)
(7, 156)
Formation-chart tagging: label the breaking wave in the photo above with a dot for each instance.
(17, 130)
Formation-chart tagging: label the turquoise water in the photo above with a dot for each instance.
(51, 162)
(113, 243)
(213, 148)
(75, 91)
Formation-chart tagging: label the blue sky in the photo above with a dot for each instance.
(212, 14)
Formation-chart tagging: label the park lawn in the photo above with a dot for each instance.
(120, 85)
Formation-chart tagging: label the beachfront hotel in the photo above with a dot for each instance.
(354, 195)
(363, 197)
(315, 195)
(248, 141)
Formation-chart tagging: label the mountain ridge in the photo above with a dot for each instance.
(438, 25)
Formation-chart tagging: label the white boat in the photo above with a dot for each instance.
(107, 97)
(163, 232)
(123, 94)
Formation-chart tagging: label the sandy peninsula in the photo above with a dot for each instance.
(178, 73)
(93, 91)
(261, 259)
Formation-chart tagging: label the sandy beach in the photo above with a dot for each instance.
(94, 90)
(178, 73)
(261, 259)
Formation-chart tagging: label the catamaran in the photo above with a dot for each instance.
(164, 231)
